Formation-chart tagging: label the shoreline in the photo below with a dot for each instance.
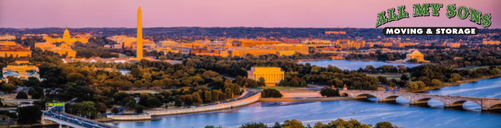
(364, 59)
(303, 99)
(454, 84)
(332, 59)
(311, 59)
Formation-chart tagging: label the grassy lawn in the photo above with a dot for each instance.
(282, 87)
(388, 76)
(472, 67)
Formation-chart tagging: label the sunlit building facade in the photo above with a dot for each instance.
(271, 75)
(21, 71)
(84, 38)
(10, 48)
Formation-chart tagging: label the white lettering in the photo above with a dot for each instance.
(448, 31)
(389, 31)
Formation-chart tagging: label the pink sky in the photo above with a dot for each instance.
(228, 13)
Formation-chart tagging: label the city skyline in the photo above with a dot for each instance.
(192, 13)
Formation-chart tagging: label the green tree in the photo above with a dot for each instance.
(196, 98)
(118, 96)
(143, 98)
(36, 95)
(138, 84)
(135, 72)
(28, 114)
(166, 93)
(154, 102)
(22, 95)
(383, 79)
(254, 125)
(208, 96)
(421, 84)
(329, 92)
(455, 77)
(115, 110)
(8, 87)
(425, 80)
(319, 125)
(72, 77)
(162, 58)
(495, 71)
(228, 92)
(215, 95)
(384, 124)
(32, 81)
(266, 93)
(146, 84)
(157, 83)
(212, 126)
(101, 107)
(293, 124)
(436, 83)
(139, 108)
(412, 86)
(261, 82)
(177, 101)
(404, 77)
(83, 108)
(129, 101)
(31, 91)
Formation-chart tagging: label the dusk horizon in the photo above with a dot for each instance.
(291, 14)
(250, 63)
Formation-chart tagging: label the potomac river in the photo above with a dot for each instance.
(400, 113)
(354, 64)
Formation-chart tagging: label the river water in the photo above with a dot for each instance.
(370, 111)
(354, 64)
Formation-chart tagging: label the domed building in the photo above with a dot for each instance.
(68, 39)
(416, 55)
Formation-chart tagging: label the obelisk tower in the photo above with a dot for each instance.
(139, 34)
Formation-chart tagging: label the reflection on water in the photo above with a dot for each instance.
(275, 104)
(353, 64)
(366, 111)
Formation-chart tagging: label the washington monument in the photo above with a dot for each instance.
(139, 34)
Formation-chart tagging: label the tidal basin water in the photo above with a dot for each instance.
(370, 111)
(353, 64)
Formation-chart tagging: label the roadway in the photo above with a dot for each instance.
(58, 113)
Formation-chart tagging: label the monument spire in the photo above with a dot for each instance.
(139, 34)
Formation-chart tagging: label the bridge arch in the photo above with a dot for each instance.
(425, 100)
(364, 96)
(459, 103)
(393, 98)
(495, 107)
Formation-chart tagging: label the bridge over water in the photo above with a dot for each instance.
(422, 98)
(56, 115)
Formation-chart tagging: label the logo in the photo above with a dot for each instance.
(461, 12)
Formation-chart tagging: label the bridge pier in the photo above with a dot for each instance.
(387, 99)
(361, 97)
(419, 102)
(486, 109)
